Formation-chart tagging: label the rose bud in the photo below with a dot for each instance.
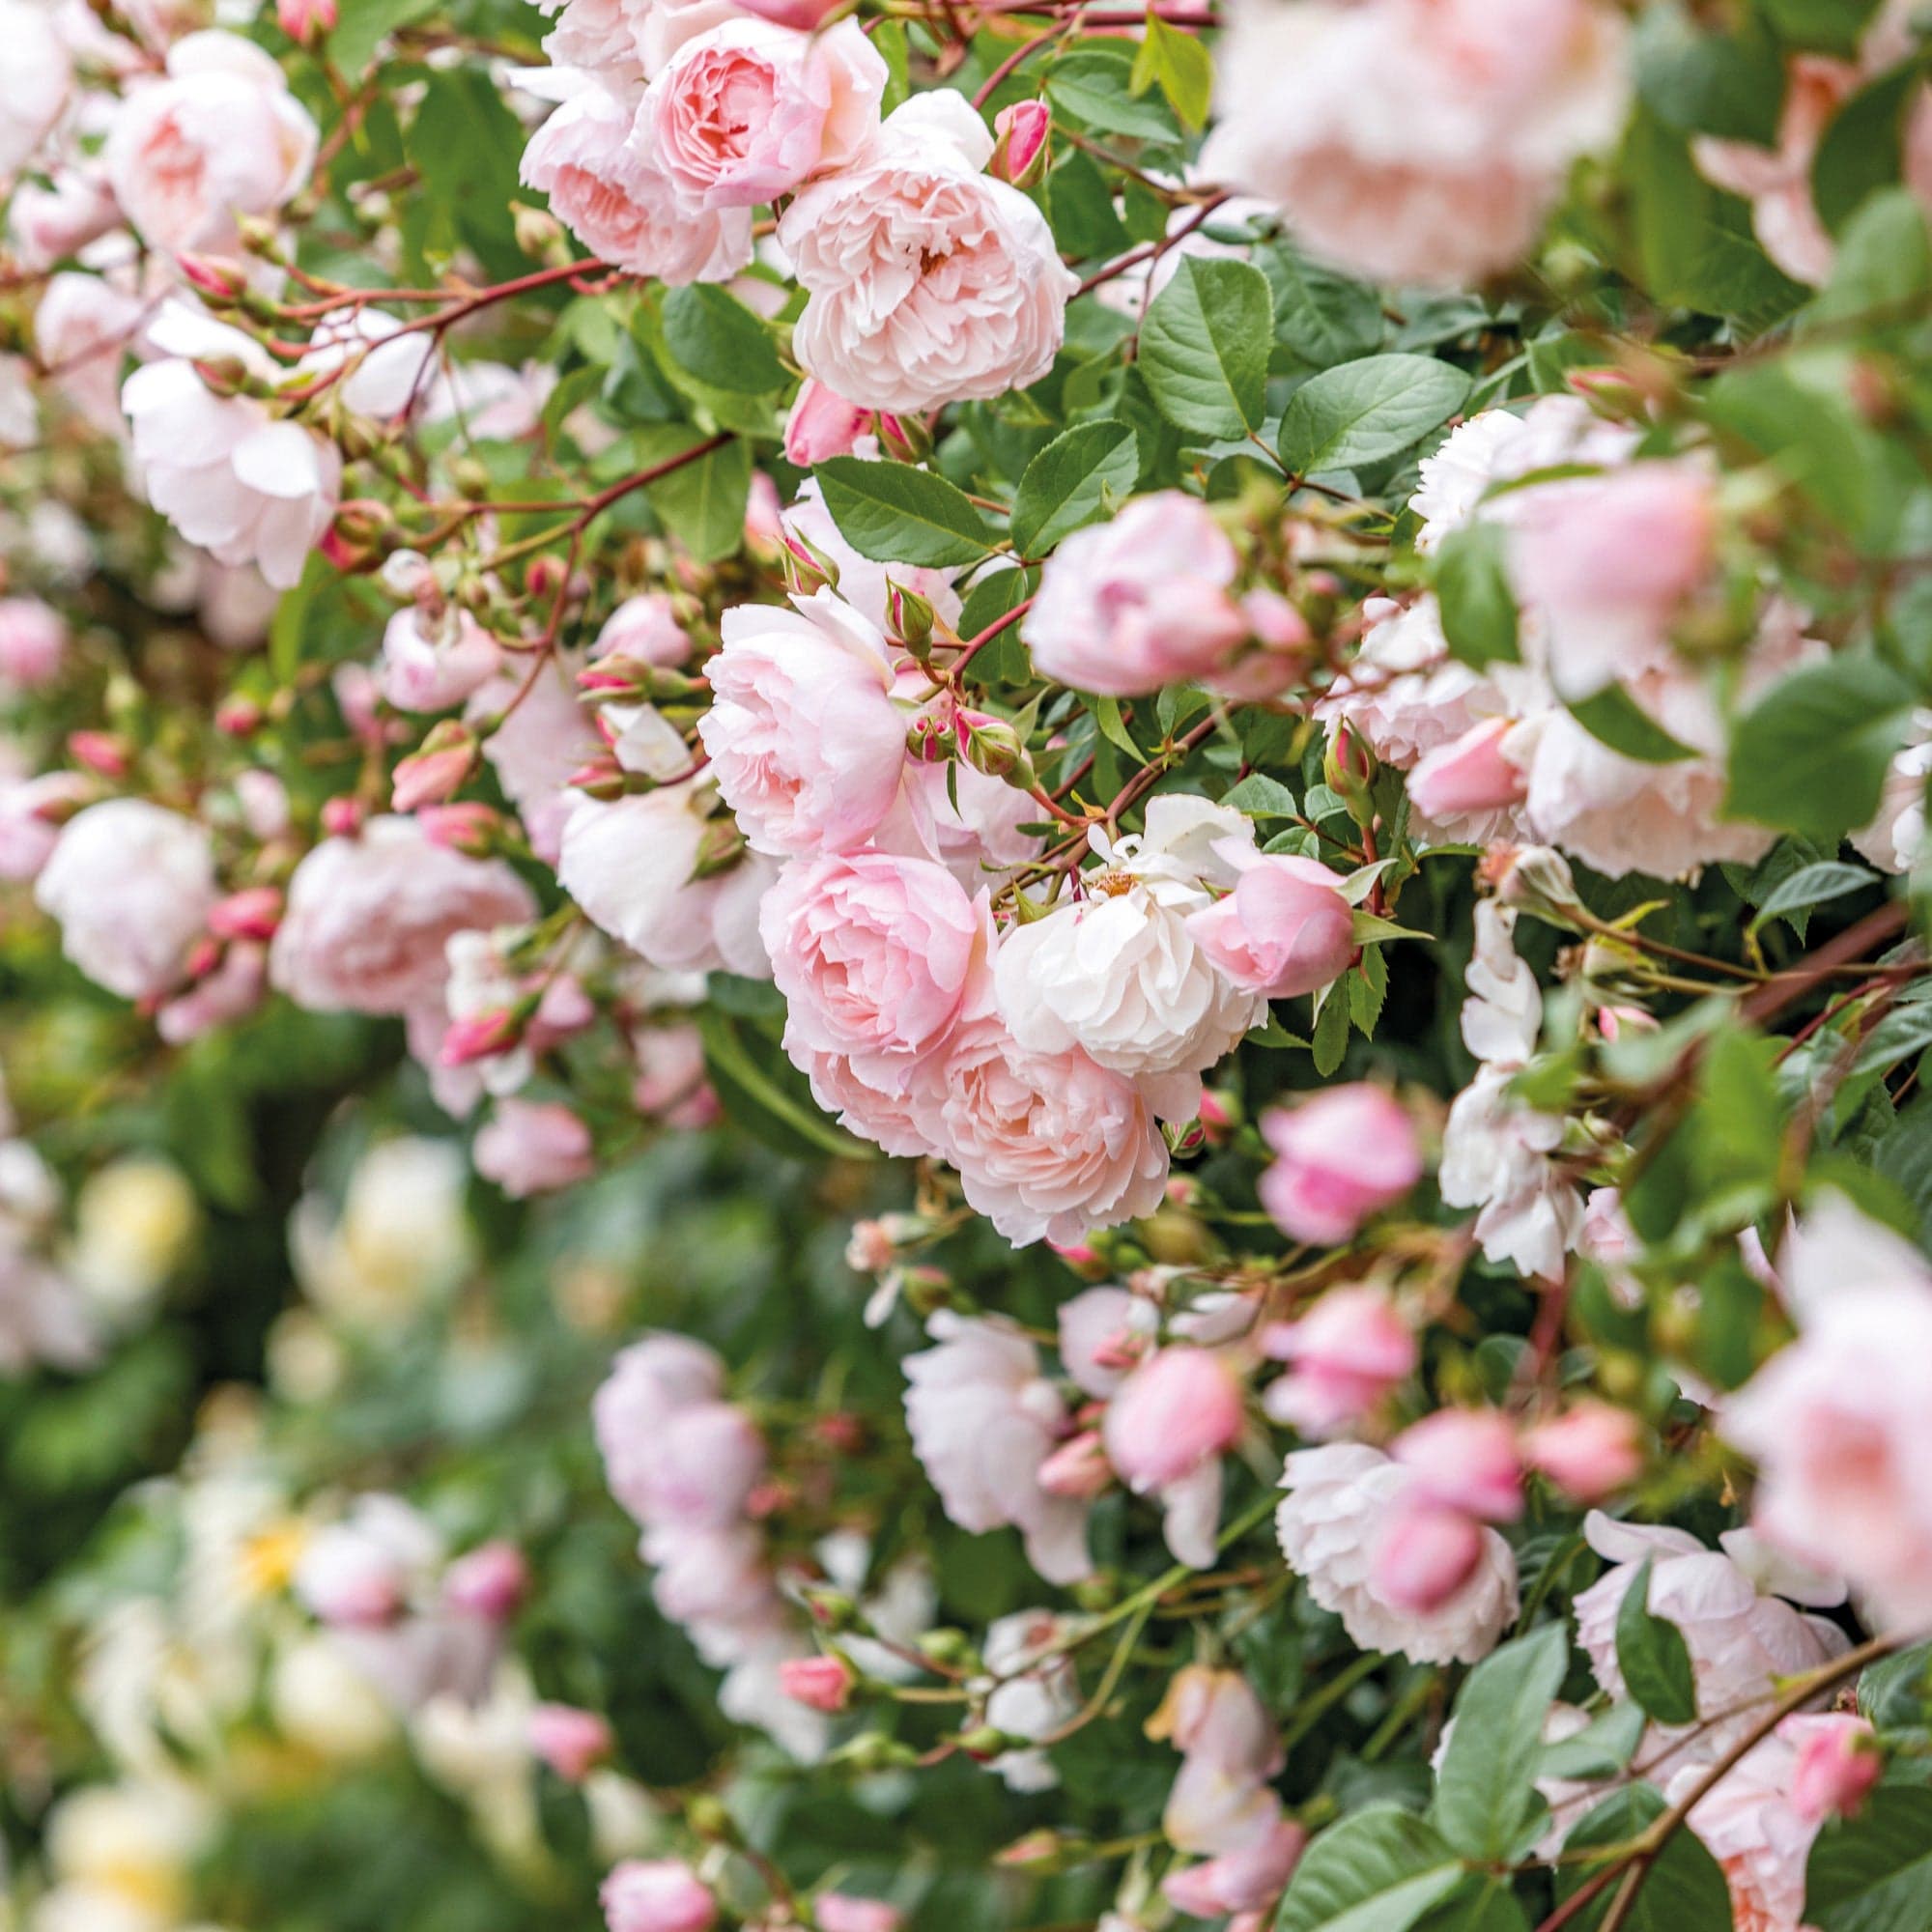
(1468, 776)
(1341, 1155)
(568, 1739)
(1466, 1459)
(304, 20)
(1349, 1351)
(821, 1683)
(1839, 1762)
(843, 1911)
(1019, 149)
(470, 828)
(655, 1896)
(432, 774)
(1180, 1406)
(1425, 1554)
(490, 1581)
(821, 425)
(1589, 1452)
(1077, 1468)
(253, 912)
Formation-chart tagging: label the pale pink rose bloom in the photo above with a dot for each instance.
(1283, 930)
(131, 885)
(220, 136)
(1608, 562)
(369, 919)
(927, 281)
(533, 1147)
(751, 111)
(805, 743)
(878, 957)
(1341, 1155)
(1138, 602)
(983, 1418)
(433, 661)
(1757, 1835)
(224, 472)
(32, 641)
(671, 1083)
(1337, 1497)
(1840, 1420)
(1049, 1145)
(822, 425)
(819, 1683)
(865, 585)
(1414, 140)
(32, 809)
(624, 42)
(369, 1566)
(62, 219)
(1590, 1451)
(1248, 1878)
(1347, 1353)
(704, 1461)
(34, 82)
(973, 822)
(646, 628)
(655, 1896)
(1466, 1459)
(19, 415)
(1838, 1763)
(1740, 1637)
(1104, 1334)
(841, 1911)
(1037, 1691)
(83, 329)
(374, 366)
(1425, 1554)
(619, 206)
(1498, 1157)
(544, 740)
(490, 1581)
(1468, 778)
(1893, 838)
(717, 1584)
(570, 1741)
(649, 1383)
(1230, 1747)
(1182, 1407)
(632, 866)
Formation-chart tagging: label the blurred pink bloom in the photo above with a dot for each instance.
(570, 1741)
(1347, 1353)
(1179, 1408)
(1467, 1460)
(655, 1896)
(1341, 1155)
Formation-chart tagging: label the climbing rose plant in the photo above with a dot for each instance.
(965, 965)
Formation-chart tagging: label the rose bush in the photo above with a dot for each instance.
(965, 966)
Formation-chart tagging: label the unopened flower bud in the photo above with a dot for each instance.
(928, 742)
(436, 772)
(536, 229)
(569, 1741)
(1425, 1554)
(101, 752)
(808, 568)
(910, 615)
(471, 828)
(1348, 769)
(1839, 1762)
(237, 717)
(1466, 1459)
(490, 1581)
(720, 848)
(904, 438)
(1537, 880)
(993, 745)
(819, 1683)
(342, 817)
(254, 913)
(1020, 143)
(219, 284)
(1077, 1468)
(480, 1037)
(829, 1609)
(1589, 1452)
(305, 20)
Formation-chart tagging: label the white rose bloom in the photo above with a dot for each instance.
(34, 77)
(1337, 1497)
(131, 885)
(1896, 833)
(223, 472)
(1035, 1693)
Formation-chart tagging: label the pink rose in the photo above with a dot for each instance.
(62, 219)
(367, 1568)
(83, 330)
(1349, 1351)
(1285, 929)
(220, 138)
(655, 1896)
(531, 1147)
(841, 1911)
(644, 628)
(1839, 1762)
(32, 641)
(1591, 1450)
(434, 660)
(1426, 1555)
(490, 1581)
(822, 425)
(1247, 1879)
(1178, 1409)
(1471, 775)
(131, 885)
(619, 206)
(649, 1383)
(1466, 1459)
(1342, 1155)
(368, 918)
(928, 282)
(804, 741)
(34, 82)
(1139, 602)
(819, 1683)
(570, 1741)
(750, 111)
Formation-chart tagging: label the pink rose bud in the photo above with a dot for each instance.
(1019, 149)
(215, 281)
(803, 14)
(568, 1739)
(237, 717)
(1469, 774)
(1349, 767)
(821, 1683)
(1839, 1762)
(1342, 1155)
(304, 20)
(1285, 929)
(1589, 1452)
(655, 1896)
(822, 425)
(843, 1911)
(1347, 1353)
(470, 828)
(253, 912)
(490, 1581)
(1171, 1414)
(1612, 1022)
(1466, 1459)
(32, 641)
(764, 514)
(479, 1037)
(436, 772)
(1078, 1469)
(1425, 1555)
(1248, 1878)
(342, 817)
(100, 752)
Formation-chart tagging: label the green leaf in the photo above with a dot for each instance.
(1812, 756)
(1654, 1658)
(1829, 26)
(1076, 479)
(702, 504)
(292, 615)
(363, 25)
(1862, 149)
(1180, 63)
(1378, 1870)
(1096, 88)
(1331, 1031)
(1322, 317)
(1902, 1033)
(1364, 411)
(1684, 1889)
(894, 514)
(1113, 728)
(1488, 1778)
(719, 340)
(1726, 84)
(1883, 266)
(1873, 1874)
(464, 144)
(1599, 1750)
(1614, 718)
(767, 1095)
(1814, 886)
(1080, 209)
(1895, 1693)
(1482, 1903)
(1261, 797)
(1204, 347)
(1904, 1157)
(1472, 588)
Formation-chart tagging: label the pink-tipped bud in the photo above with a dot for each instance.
(1077, 1468)
(1470, 775)
(1839, 1762)
(1589, 1452)
(843, 1911)
(1019, 148)
(808, 567)
(434, 774)
(100, 752)
(655, 1896)
(1425, 1556)
(218, 282)
(1466, 1459)
(480, 1037)
(253, 912)
(904, 439)
(342, 817)
(570, 1741)
(1349, 1351)
(1176, 1410)
(202, 957)
(822, 424)
(470, 828)
(1613, 1022)
(237, 717)
(909, 616)
(821, 1683)
(1349, 768)
(490, 1581)
(306, 20)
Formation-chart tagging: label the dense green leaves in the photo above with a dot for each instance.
(1204, 346)
(1654, 1658)
(1366, 410)
(1378, 1870)
(895, 514)
(1683, 1889)
(1076, 479)
(1874, 1872)
(1486, 1783)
